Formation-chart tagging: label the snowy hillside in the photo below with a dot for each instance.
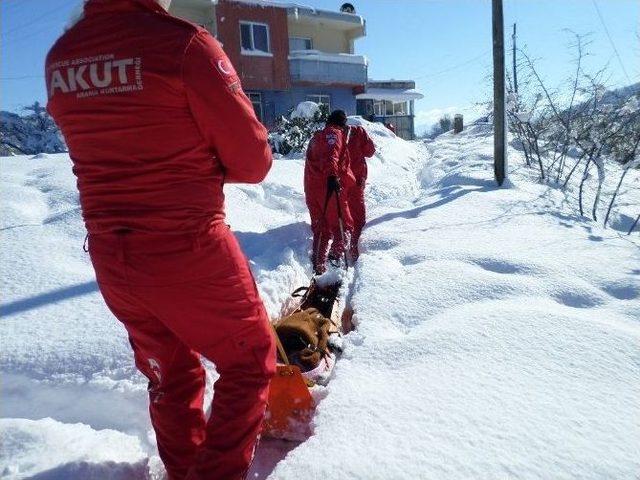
(498, 333)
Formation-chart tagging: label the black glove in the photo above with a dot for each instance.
(333, 184)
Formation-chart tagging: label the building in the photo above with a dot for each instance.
(286, 53)
(390, 102)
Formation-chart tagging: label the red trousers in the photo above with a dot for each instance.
(181, 296)
(358, 213)
(325, 225)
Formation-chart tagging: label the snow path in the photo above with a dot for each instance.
(498, 337)
(498, 333)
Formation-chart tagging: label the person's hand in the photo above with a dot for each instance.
(333, 184)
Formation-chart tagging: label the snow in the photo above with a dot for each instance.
(319, 56)
(496, 339)
(59, 450)
(498, 332)
(296, 9)
(377, 129)
(306, 110)
(255, 53)
(391, 94)
(271, 3)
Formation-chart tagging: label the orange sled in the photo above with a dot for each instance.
(290, 405)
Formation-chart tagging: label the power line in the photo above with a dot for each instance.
(11, 5)
(38, 31)
(613, 45)
(453, 67)
(23, 77)
(31, 22)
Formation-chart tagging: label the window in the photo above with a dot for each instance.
(256, 101)
(300, 43)
(400, 108)
(320, 99)
(379, 108)
(254, 37)
(386, 108)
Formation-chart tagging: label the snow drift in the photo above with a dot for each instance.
(498, 333)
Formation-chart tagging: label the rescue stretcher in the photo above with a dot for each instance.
(291, 404)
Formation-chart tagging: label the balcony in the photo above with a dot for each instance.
(314, 67)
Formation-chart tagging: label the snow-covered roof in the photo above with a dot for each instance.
(391, 94)
(266, 3)
(195, 3)
(328, 57)
(299, 9)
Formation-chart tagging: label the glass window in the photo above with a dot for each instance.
(386, 108)
(254, 36)
(256, 101)
(400, 108)
(377, 108)
(245, 33)
(260, 38)
(300, 43)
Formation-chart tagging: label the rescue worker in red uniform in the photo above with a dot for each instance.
(327, 178)
(361, 147)
(156, 122)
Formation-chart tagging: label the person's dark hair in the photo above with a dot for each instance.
(338, 118)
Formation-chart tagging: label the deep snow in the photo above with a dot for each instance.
(498, 333)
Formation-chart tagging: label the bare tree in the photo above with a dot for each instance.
(581, 120)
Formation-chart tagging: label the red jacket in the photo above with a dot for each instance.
(327, 155)
(361, 147)
(154, 117)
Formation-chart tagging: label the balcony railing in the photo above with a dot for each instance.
(327, 68)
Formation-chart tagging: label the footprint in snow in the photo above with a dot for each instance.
(576, 299)
(382, 244)
(498, 266)
(409, 260)
(622, 291)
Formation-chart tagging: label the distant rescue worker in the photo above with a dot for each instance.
(327, 179)
(361, 147)
(156, 123)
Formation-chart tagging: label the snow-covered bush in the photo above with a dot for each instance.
(293, 132)
(576, 130)
(445, 123)
(34, 132)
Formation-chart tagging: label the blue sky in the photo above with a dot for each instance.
(445, 45)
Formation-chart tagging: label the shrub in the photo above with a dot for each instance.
(293, 132)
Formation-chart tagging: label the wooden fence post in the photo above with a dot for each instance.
(458, 123)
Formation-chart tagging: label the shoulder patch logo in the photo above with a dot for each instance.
(225, 67)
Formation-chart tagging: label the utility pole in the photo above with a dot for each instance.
(499, 125)
(515, 70)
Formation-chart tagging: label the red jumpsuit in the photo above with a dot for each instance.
(361, 147)
(327, 155)
(156, 122)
